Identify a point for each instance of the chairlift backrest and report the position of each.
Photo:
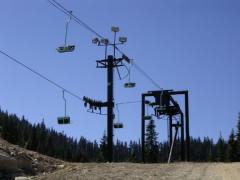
(147, 117)
(64, 120)
(129, 85)
(118, 125)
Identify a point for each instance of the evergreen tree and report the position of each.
(133, 152)
(39, 138)
(206, 150)
(238, 138)
(103, 148)
(151, 143)
(232, 148)
(221, 154)
(210, 152)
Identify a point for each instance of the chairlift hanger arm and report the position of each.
(67, 26)
(65, 103)
(104, 63)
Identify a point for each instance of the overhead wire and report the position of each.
(128, 102)
(146, 75)
(75, 18)
(82, 23)
(141, 70)
(41, 75)
(58, 7)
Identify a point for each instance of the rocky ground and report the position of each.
(20, 164)
(16, 161)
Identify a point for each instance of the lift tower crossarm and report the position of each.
(105, 62)
(94, 103)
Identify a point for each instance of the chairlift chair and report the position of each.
(118, 125)
(65, 47)
(68, 48)
(147, 117)
(129, 84)
(64, 119)
(147, 102)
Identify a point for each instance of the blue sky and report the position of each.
(183, 45)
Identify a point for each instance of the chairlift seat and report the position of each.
(167, 110)
(63, 49)
(64, 120)
(130, 85)
(147, 117)
(147, 102)
(118, 125)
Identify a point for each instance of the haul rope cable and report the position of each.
(76, 19)
(141, 70)
(40, 75)
(128, 102)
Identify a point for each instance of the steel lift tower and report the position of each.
(110, 62)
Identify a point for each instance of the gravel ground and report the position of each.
(117, 171)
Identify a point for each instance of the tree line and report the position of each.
(39, 138)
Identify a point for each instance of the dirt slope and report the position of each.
(16, 161)
(185, 171)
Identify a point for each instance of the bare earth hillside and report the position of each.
(204, 171)
(15, 162)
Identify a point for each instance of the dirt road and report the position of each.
(186, 171)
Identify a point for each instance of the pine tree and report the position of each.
(210, 151)
(238, 138)
(103, 148)
(232, 148)
(133, 152)
(221, 155)
(151, 143)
